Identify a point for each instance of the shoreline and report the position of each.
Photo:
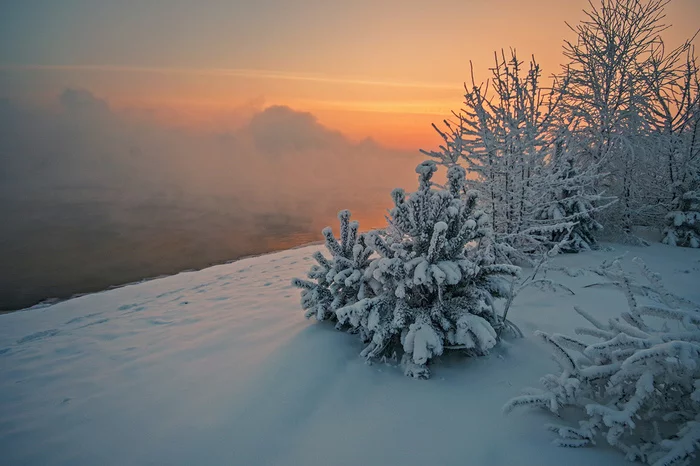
(50, 301)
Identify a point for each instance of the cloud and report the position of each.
(91, 196)
(82, 141)
(281, 130)
(80, 101)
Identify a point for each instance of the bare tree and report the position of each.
(505, 134)
(612, 44)
(633, 102)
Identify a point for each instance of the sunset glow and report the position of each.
(382, 71)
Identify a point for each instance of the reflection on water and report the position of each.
(78, 246)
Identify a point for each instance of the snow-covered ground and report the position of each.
(219, 367)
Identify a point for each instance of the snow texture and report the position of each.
(219, 367)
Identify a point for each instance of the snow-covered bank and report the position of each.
(219, 367)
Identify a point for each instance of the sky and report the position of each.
(371, 69)
(144, 137)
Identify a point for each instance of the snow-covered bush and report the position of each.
(431, 284)
(638, 386)
(683, 227)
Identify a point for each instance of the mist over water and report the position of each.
(91, 198)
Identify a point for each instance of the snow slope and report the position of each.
(220, 367)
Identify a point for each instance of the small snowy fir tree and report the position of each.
(337, 282)
(431, 285)
(638, 386)
(683, 228)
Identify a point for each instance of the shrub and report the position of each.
(638, 386)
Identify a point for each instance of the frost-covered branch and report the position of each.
(638, 387)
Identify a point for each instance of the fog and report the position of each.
(91, 197)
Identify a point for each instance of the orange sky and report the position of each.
(384, 70)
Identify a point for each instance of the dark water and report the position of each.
(72, 245)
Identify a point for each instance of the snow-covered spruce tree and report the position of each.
(683, 220)
(337, 282)
(638, 386)
(683, 227)
(568, 197)
(432, 284)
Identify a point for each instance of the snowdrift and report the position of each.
(219, 366)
